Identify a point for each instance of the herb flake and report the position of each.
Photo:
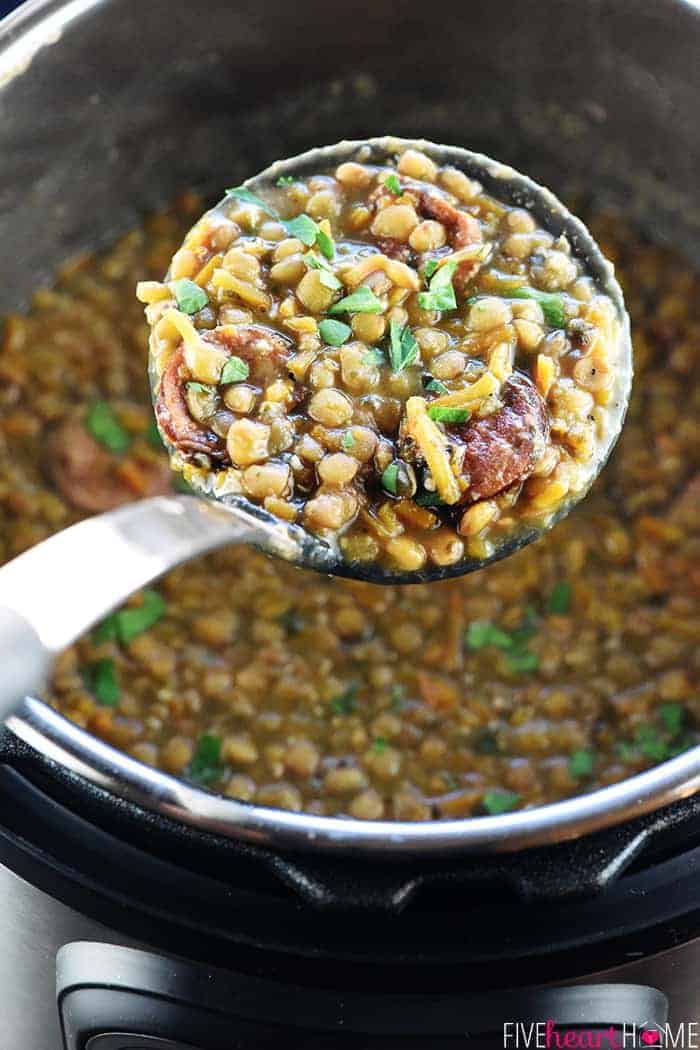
(335, 333)
(446, 414)
(581, 764)
(102, 423)
(235, 370)
(346, 702)
(190, 298)
(440, 294)
(403, 349)
(436, 386)
(128, 623)
(551, 303)
(393, 184)
(303, 228)
(559, 601)
(206, 764)
(101, 679)
(246, 197)
(390, 478)
(363, 301)
(497, 802)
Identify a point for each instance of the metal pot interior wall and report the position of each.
(109, 107)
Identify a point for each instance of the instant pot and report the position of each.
(139, 913)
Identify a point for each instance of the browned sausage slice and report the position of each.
(503, 448)
(174, 418)
(91, 479)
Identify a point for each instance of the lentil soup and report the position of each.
(570, 665)
(405, 365)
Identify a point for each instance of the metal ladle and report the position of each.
(51, 594)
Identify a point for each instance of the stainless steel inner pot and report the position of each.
(109, 107)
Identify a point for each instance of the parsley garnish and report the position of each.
(392, 184)
(363, 301)
(440, 294)
(189, 296)
(495, 802)
(346, 702)
(198, 388)
(327, 277)
(390, 478)
(205, 764)
(551, 303)
(104, 426)
(325, 243)
(235, 370)
(559, 600)
(482, 633)
(379, 745)
(445, 414)
(403, 350)
(581, 764)
(428, 499)
(672, 717)
(348, 440)
(437, 387)
(302, 227)
(246, 197)
(285, 180)
(430, 268)
(101, 679)
(335, 333)
(126, 624)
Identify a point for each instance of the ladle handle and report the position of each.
(52, 593)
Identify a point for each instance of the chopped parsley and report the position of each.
(285, 180)
(348, 440)
(551, 303)
(390, 478)
(445, 414)
(672, 717)
(325, 243)
(436, 387)
(663, 740)
(559, 601)
(131, 621)
(428, 499)
(198, 388)
(363, 301)
(379, 745)
(246, 197)
(335, 333)
(102, 423)
(302, 227)
(392, 184)
(189, 296)
(235, 370)
(206, 764)
(101, 679)
(581, 764)
(403, 350)
(346, 702)
(327, 277)
(482, 634)
(430, 268)
(496, 802)
(440, 294)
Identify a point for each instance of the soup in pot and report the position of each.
(571, 665)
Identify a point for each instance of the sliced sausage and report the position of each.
(90, 478)
(174, 418)
(503, 448)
